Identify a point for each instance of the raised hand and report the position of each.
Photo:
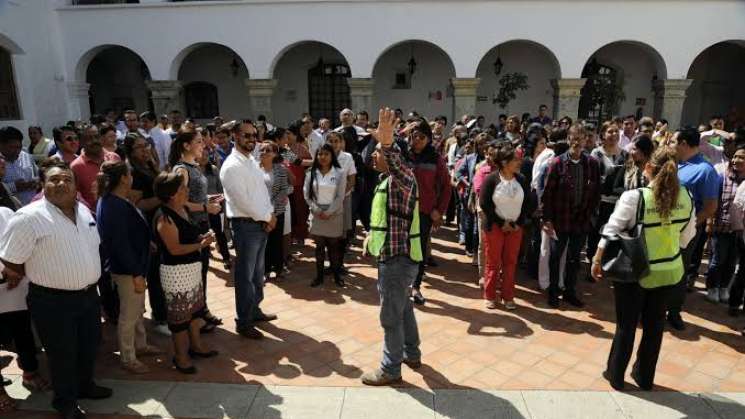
(387, 122)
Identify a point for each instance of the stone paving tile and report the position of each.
(274, 402)
(727, 405)
(666, 405)
(204, 400)
(480, 404)
(571, 405)
(387, 403)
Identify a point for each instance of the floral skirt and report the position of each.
(182, 286)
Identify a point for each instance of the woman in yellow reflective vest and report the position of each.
(669, 224)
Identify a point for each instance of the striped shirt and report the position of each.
(23, 168)
(57, 253)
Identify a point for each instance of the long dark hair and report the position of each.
(177, 147)
(129, 147)
(316, 166)
(110, 177)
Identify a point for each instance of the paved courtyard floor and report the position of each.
(326, 337)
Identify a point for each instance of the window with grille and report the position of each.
(328, 90)
(8, 100)
(600, 94)
(201, 100)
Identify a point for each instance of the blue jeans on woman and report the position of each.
(400, 331)
(250, 247)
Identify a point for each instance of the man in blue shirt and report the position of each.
(702, 181)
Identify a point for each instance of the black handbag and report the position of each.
(625, 258)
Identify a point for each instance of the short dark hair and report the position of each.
(57, 132)
(149, 115)
(630, 116)
(715, 116)
(690, 135)
(105, 128)
(367, 115)
(52, 163)
(166, 185)
(8, 134)
(97, 119)
(542, 106)
(740, 135)
(423, 126)
(442, 118)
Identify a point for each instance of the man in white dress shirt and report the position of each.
(318, 136)
(251, 214)
(160, 140)
(53, 243)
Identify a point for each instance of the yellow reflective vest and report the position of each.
(379, 225)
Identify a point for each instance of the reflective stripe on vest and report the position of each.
(379, 224)
(663, 240)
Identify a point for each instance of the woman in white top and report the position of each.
(507, 204)
(324, 192)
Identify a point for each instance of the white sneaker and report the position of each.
(724, 295)
(162, 329)
(713, 295)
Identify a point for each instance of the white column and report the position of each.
(464, 96)
(166, 96)
(260, 92)
(669, 97)
(79, 100)
(566, 97)
(361, 93)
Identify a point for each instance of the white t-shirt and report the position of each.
(326, 186)
(347, 164)
(15, 299)
(508, 199)
(316, 140)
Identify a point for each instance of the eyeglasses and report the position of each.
(71, 138)
(266, 151)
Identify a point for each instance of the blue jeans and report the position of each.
(401, 334)
(723, 260)
(250, 246)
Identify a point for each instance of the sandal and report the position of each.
(35, 382)
(7, 403)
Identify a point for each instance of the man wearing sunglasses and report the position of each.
(67, 143)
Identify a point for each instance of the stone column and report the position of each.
(260, 92)
(566, 97)
(669, 97)
(79, 100)
(166, 95)
(361, 93)
(464, 96)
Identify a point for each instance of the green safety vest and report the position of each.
(379, 225)
(663, 240)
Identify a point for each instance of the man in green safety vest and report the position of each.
(394, 240)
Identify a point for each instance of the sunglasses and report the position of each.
(71, 138)
(266, 150)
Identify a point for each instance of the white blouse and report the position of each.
(508, 199)
(326, 186)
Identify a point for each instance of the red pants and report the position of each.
(501, 250)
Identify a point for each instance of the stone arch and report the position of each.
(117, 76)
(178, 60)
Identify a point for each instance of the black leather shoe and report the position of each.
(339, 282)
(417, 297)
(316, 282)
(208, 354)
(676, 322)
(637, 379)
(250, 332)
(618, 386)
(96, 392)
(74, 412)
(574, 300)
(263, 317)
(184, 370)
(553, 301)
(733, 311)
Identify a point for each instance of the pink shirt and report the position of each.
(86, 171)
(480, 176)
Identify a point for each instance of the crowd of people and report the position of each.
(127, 206)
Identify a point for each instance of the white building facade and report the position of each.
(63, 60)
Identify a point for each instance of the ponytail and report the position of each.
(110, 177)
(666, 185)
(177, 147)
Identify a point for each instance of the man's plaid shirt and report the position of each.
(402, 196)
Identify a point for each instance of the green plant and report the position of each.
(508, 85)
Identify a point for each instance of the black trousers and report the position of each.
(738, 284)
(332, 246)
(222, 242)
(69, 327)
(109, 296)
(425, 229)
(604, 212)
(274, 256)
(574, 242)
(155, 289)
(17, 329)
(634, 302)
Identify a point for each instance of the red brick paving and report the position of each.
(328, 336)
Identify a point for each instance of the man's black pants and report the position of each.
(69, 327)
(633, 302)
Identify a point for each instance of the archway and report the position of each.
(415, 75)
(718, 86)
(620, 78)
(10, 108)
(312, 77)
(536, 62)
(213, 77)
(117, 78)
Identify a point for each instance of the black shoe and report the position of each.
(74, 412)
(414, 364)
(263, 317)
(574, 300)
(418, 298)
(637, 379)
(676, 322)
(96, 392)
(553, 301)
(250, 332)
(618, 386)
(316, 282)
(339, 282)
(733, 311)
(208, 354)
(184, 370)
(226, 266)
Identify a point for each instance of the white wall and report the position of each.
(290, 98)
(522, 57)
(433, 73)
(211, 63)
(719, 84)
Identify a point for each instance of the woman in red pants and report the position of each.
(507, 205)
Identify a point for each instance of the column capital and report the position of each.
(465, 86)
(164, 88)
(78, 89)
(261, 87)
(671, 87)
(568, 87)
(361, 86)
